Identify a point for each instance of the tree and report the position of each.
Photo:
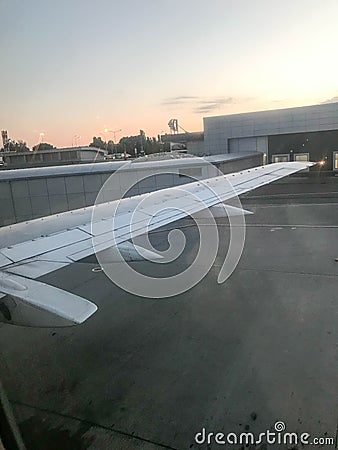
(16, 146)
(128, 144)
(110, 146)
(42, 146)
(141, 143)
(22, 146)
(97, 142)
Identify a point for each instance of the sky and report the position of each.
(72, 68)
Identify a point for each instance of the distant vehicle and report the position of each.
(118, 156)
(178, 146)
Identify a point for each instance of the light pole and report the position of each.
(75, 140)
(114, 132)
(100, 134)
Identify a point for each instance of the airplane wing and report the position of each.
(31, 249)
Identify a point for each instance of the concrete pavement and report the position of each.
(232, 357)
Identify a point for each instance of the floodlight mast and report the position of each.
(174, 126)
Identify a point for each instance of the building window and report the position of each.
(280, 158)
(335, 160)
(301, 157)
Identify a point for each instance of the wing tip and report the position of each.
(90, 309)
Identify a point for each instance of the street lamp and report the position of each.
(75, 140)
(114, 132)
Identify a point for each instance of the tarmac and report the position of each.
(232, 358)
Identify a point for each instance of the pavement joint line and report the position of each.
(282, 205)
(296, 194)
(270, 225)
(248, 225)
(288, 272)
(286, 205)
(89, 422)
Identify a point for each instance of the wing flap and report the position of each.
(36, 268)
(4, 261)
(43, 245)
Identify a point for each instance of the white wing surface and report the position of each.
(32, 249)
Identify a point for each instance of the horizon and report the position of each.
(77, 68)
(75, 143)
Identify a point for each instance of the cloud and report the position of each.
(282, 100)
(179, 100)
(206, 108)
(219, 101)
(331, 100)
(200, 105)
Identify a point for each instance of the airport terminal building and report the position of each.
(292, 134)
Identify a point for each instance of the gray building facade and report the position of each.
(53, 157)
(303, 133)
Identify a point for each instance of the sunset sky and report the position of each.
(75, 67)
